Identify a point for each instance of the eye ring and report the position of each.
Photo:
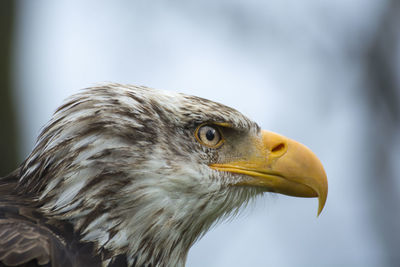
(209, 135)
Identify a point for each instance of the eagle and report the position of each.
(126, 175)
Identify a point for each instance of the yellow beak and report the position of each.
(281, 165)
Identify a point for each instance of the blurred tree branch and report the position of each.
(382, 84)
(8, 134)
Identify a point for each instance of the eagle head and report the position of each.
(145, 173)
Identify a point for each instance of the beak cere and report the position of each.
(281, 165)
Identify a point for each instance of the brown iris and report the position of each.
(209, 135)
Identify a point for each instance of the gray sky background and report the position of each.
(292, 66)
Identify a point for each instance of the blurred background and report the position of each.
(326, 73)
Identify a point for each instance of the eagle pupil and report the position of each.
(210, 134)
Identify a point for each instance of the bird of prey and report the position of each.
(126, 175)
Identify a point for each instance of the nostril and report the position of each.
(279, 147)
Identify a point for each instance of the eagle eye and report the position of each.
(209, 136)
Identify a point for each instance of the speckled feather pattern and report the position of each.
(122, 165)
